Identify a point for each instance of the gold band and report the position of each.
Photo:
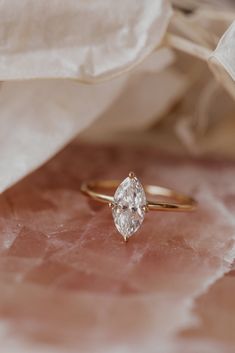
(177, 201)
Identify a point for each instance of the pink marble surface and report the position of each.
(69, 283)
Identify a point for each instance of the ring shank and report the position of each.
(177, 201)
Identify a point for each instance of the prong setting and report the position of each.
(132, 175)
(145, 208)
(112, 205)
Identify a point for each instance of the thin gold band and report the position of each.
(180, 202)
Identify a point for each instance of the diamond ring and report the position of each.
(129, 203)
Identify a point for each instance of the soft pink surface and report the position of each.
(68, 281)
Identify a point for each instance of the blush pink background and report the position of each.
(68, 282)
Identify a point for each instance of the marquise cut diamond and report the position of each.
(129, 206)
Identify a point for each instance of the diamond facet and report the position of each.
(129, 208)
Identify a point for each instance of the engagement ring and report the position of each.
(129, 203)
